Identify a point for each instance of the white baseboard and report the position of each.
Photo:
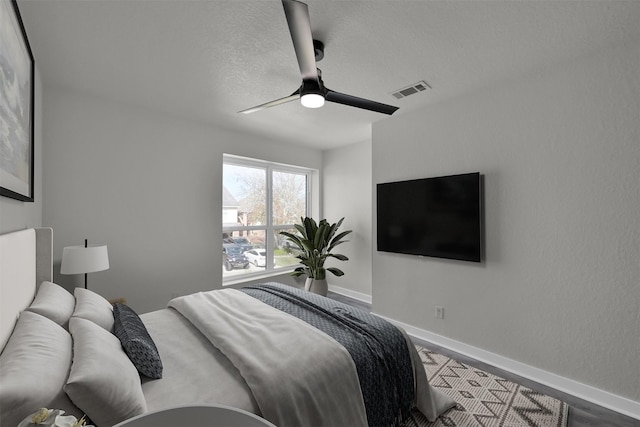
(351, 294)
(591, 394)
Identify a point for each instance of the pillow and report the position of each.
(53, 302)
(103, 382)
(94, 307)
(136, 341)
(33, 369)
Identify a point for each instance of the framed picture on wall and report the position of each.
(16, 106)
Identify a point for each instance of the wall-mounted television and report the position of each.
(437, 217)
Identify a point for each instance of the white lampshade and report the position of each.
(80, 259)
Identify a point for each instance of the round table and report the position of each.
(197, 416)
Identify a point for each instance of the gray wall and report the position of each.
(17, 215)
(347, 193)
(149, 186)
(560, 152)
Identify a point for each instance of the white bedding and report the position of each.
(194, 371)
(214, 333)
(297, 374)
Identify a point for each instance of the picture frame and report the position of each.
(16, 106)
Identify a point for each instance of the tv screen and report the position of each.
(437, 217)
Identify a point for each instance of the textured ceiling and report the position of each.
(206, 60)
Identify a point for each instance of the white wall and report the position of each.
(146, 184)
(347, 193)
(560, 151)
(15, 214)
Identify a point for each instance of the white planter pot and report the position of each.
(316, 286)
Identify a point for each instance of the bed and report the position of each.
(293, 358)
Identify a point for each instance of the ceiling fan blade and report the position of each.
(295, 95)
(354, 101)
(297, 14)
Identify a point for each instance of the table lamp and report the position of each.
(84, 259)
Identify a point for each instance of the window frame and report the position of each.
(269, 228)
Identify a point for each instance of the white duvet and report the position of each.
(226, 347)
(298, 375)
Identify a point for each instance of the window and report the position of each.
(260, 199)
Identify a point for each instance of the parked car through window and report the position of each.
(257, 257)
(233, 257)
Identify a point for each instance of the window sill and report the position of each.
(257, 277)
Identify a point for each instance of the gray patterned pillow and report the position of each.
(136, 341)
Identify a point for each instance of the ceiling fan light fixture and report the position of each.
(311, 95)
(312, 100)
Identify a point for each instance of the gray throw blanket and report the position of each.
(379, 350)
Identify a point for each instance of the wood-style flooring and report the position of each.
(581, 412)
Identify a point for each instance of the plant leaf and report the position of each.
(335, 228)
(293, 239)
(336, 271)
(339, 256)
(301, 230)
(307, 246)
(310, 227)
(320, 241)
(338, 239)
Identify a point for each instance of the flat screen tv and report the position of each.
(436, 217)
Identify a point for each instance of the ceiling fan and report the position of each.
(313, 93)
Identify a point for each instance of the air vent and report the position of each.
(421, 86)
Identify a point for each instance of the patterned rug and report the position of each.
(485, 399)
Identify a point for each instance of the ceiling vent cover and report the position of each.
(421, 86)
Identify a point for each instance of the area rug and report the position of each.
(484, 399)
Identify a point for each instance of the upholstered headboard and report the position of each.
(26, 259)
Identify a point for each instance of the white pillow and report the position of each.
(53, 302)
(103, 382)
(33, 369)
(94, 307)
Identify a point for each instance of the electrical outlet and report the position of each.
(439, 312)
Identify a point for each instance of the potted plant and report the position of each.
(315, 241)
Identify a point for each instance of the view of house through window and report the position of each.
(260, 199)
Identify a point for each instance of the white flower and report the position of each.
(65, 421)
(70, 421)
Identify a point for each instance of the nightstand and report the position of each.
(197, 415)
